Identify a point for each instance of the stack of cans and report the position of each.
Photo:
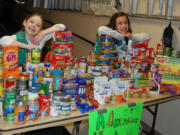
(176, 54)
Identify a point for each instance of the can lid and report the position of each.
(11, 78)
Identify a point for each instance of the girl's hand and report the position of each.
(37, 39)
(129, 35)
(31, 47)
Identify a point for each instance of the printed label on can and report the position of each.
(58, 82)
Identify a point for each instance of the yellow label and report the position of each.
(36, 55)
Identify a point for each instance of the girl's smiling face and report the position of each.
(33, 25)
(122, 25)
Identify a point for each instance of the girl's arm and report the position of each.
(104, 30)
(11, 41)
(57, 27)
(140, 37)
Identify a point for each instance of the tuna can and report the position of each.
(90, 69)
(35, 56)
(54, 109)
(73, 104)
(33, 94)
(56, 98)
(32, 110)
(65, 106)
(44, 88)
(20, 113)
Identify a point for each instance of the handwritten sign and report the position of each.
(124, 120)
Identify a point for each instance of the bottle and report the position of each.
(20, 113)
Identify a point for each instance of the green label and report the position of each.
(10, 98)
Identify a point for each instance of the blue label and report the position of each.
(58, 82)
(21, 116)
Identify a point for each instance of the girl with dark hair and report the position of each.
(119, 28)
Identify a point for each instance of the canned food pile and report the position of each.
(44, 89)
(167, 63)
(60, 85)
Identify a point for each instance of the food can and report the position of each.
(35, 56)
(33, 94)
(44, 105)
(167, 51)
(92, 59)
(57, 79)
(73, 104)
(1, 55)
(1, 71)
(1, 107)
(160, 49)
(32, 110)
(8, 112)
(175, 54)
(20, 113)
(154, 68)
(141, 54)
(10, 97)
(48, 78)
(1, 89)
(54, 109)
(65, 106)
(28, 56)
(11, 82)
(23, 80)
(44, 88)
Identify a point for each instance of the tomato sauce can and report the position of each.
(44, 105)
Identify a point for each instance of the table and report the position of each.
(9, 128)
